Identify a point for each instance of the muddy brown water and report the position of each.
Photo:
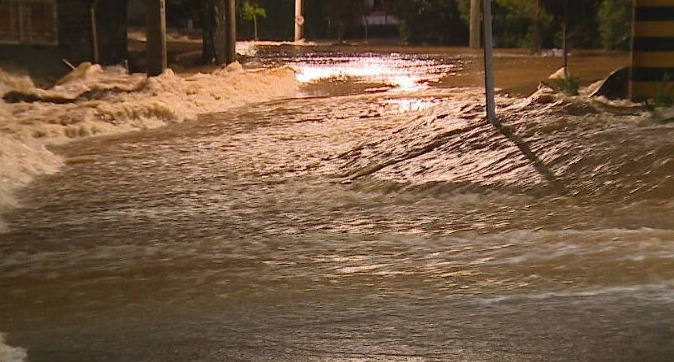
(354, 224)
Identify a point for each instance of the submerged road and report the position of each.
(314, 229)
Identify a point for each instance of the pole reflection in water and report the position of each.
(392, 225)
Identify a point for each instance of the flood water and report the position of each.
(374, 217)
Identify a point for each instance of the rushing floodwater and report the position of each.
(372, 219)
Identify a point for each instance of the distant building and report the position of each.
(378, 15)
(65, 29)
(378, 22)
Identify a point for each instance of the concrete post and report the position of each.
(652, 69)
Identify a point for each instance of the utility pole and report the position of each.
(489, 64)
(299, 21)
(156, 37)
(475, 14)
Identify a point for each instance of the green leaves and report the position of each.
(516, 23)
(615, 24)
(569, 85)
(252, 10)
(432, 21)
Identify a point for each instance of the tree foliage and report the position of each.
(533, 24)
(431, 21)
(251, 11)
(615, 18)
(343, 14)
(538, 24)
(521, 23)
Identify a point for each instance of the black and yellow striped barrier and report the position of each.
(652, 70)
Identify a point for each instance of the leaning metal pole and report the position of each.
(508, 132)
(489, 64)
(565, 33)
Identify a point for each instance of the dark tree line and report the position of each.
(532, 24)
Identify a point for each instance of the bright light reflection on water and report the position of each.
(403, 73)
(412, 104)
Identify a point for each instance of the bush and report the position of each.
(615, 24)
(664, 96)
(569, 85)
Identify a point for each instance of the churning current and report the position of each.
(374, 216)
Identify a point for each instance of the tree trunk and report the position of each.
(341, 32)
(255, 28)
(475, 15)
(207, 27)
(230, 31)
(362, 14)
(536, 37)
(220, 32)
(156, 37)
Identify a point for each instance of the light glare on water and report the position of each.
(392, 71)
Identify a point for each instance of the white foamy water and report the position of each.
(10, 353)
(92, 100)
(655, 291)
(21, 159)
